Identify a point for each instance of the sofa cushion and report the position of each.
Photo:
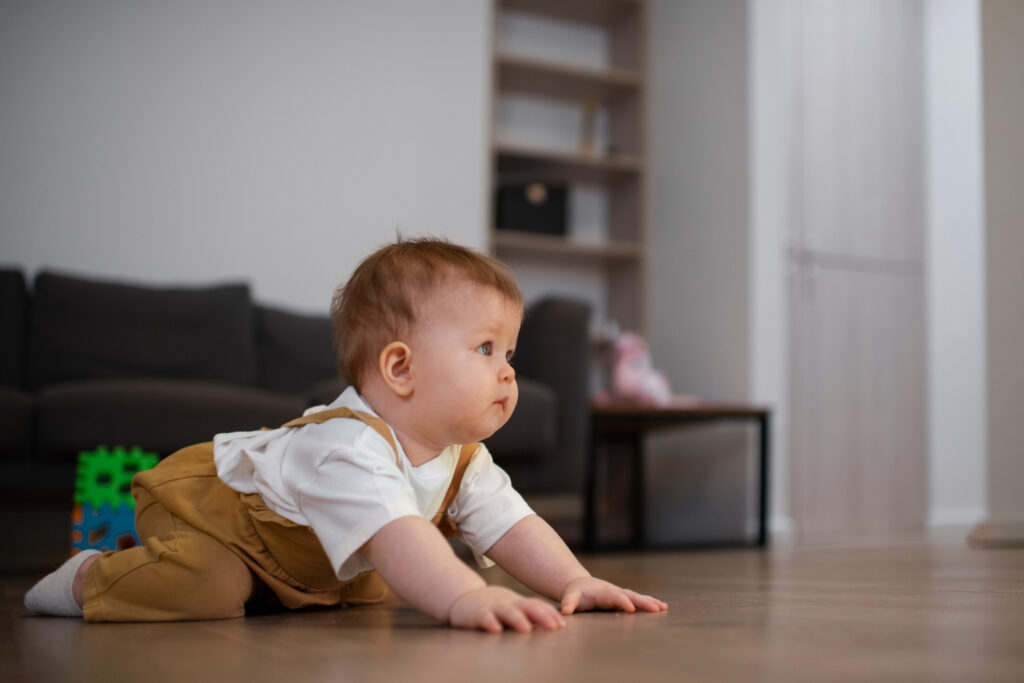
(294, 352)
(157, 415)
(532, 431)
(13, 322)
(86, 329)
(15, 425)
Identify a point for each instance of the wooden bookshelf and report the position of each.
(618, 168)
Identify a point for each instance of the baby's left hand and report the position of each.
(588, 593)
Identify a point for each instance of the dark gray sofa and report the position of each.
(86, 362)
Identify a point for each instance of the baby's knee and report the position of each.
(133, 585)
(215, 585)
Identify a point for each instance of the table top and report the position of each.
(679, 408)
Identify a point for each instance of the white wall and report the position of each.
(276, 142)
(955, 258)
(699, 196)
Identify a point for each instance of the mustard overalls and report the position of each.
(207, 551)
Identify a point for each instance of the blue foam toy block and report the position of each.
(103, 527)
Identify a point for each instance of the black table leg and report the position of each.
(639, 492)
(589, 513)
(762, 532)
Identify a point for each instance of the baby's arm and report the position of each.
(420, 567)
(533, 553)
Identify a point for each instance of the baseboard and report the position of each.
(780, 525)
(997, 533)
(956, 517)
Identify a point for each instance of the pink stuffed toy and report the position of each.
(633, 375)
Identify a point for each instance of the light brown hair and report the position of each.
(379, 303)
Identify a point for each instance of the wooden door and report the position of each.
(856, 290)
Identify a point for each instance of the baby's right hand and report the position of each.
(492, 608)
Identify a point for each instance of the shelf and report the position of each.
(553, 164)
(534, 245)
(599, 12)
(545, 78)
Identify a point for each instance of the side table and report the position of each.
(629, 423)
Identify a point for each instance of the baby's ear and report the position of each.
(396, 367)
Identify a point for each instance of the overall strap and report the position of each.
(372, 421)
(441, 520)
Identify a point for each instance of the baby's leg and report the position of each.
(177, 573)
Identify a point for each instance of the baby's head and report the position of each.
(386, 295)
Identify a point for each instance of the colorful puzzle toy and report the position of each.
(104, 513)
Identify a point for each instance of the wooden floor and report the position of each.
(912, 611)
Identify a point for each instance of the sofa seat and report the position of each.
(158, 415)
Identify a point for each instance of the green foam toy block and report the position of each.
(105, 475)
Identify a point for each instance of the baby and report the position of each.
(354, 498)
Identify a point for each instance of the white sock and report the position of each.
(52, 595)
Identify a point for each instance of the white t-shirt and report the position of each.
(340, 477)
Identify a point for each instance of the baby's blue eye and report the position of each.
(509, 355)
(485, 348)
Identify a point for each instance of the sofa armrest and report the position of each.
(14, 323)
(554, 349)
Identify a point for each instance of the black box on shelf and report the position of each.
(532, 207)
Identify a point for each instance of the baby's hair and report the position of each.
(380, 302)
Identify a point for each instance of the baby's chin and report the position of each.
(487, 432)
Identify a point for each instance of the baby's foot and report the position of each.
(54, 594)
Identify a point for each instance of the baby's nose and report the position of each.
(508, 373)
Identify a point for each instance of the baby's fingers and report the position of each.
(543, 614)
(571, 601)
(514, 618)
(617, 599)
(605, 597)
(490, 623)
(646, 602)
